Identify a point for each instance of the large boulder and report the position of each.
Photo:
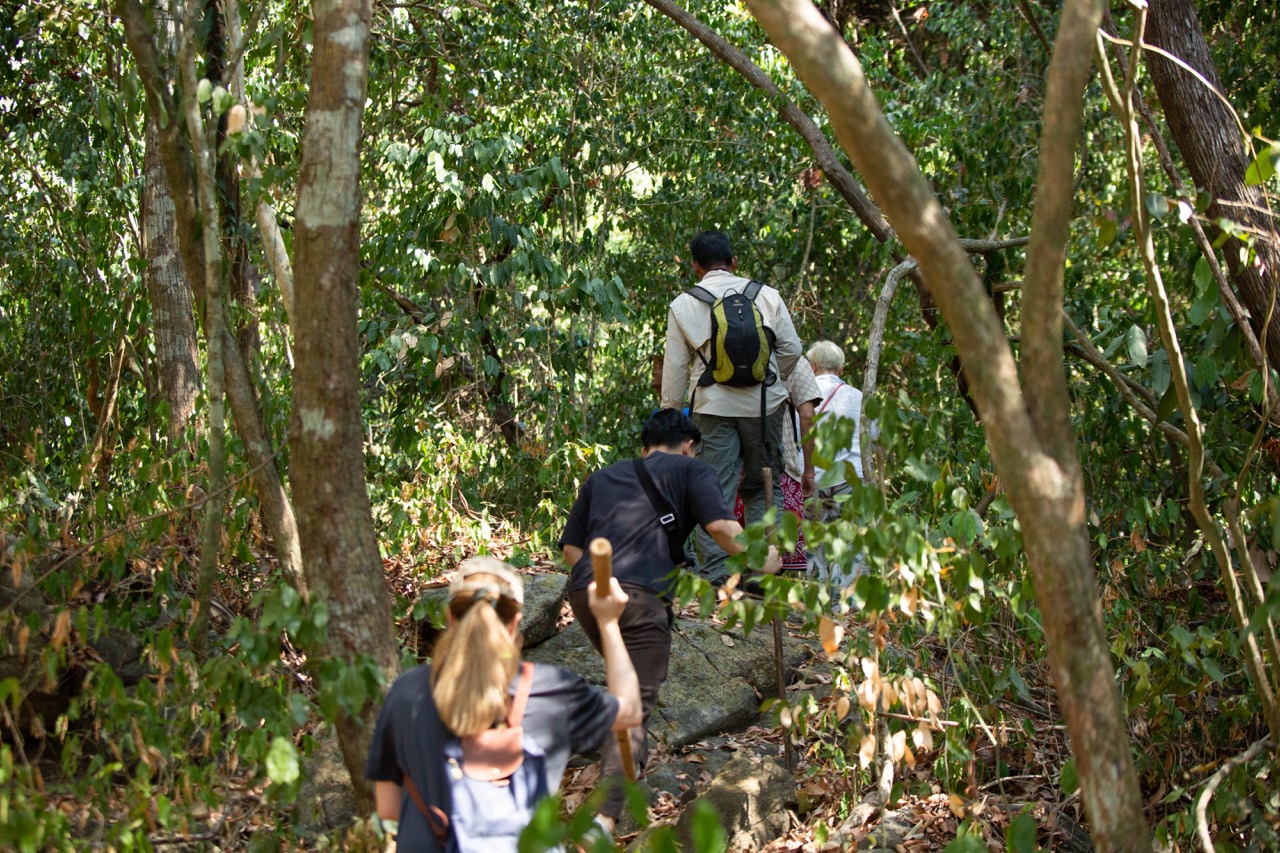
(751, 801)
(735, 673)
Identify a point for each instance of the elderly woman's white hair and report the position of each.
(826, 357)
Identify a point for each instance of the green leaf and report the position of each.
(1068, 781)
(204, 90)
(1263, 167)
(282, 762)
(1021, 836)
(708, 833)
(966, 841)
(1136, 340)
(1106, 231)
(1168, 404)
(1203, 275)
(1205, 371)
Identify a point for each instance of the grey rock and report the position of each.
(712, 685)
(571, 649)
(544, 594)
(890, 832)
(122, 651)
(750, 656)
(543, 597)
(679, 776)
(750, 800)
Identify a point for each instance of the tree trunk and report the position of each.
(340, 549)
(175, 154)
(1029, 436)
(240, 289)
(1210, 141)
(173, 324)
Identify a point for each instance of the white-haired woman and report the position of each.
(839, 400)
(470, 691)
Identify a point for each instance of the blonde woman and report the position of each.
(443, 723)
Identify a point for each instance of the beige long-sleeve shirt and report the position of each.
(802, 387)
(689, 332)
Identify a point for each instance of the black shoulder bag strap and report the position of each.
(666, 513)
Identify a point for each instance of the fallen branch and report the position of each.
(1206, 793)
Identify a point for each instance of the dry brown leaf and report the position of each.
(727, 640)
(867, 751)
(842, 707)
(922, 737)
(61, 630)
(24, 634)
(830, 634)
(897, 746)
(868, 695)
(956, 805)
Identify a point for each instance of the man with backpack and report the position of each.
(646, 508)
(730, 345)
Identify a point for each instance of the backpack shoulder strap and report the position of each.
(752, 290)
(437, 820)
(523, 686)
(666, 513)
(830, 397)
(702, 295)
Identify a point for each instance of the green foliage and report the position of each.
(531, 176)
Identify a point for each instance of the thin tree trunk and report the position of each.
(1210, 141)
(1029, 438)
(277, 512)
(173, 326)
(211, 241)
(239, 290)
(340, 548)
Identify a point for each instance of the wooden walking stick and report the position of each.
(779, 664)
(602, 567)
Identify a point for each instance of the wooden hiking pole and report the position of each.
(779, 665)
(602, 567)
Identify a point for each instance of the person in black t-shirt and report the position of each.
(613, 504)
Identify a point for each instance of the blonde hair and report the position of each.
(476, 658)
(824, 355)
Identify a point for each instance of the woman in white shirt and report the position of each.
(840, 400)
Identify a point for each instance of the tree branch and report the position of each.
(836, 173)
(1048, 400)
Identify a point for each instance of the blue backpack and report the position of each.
(496, 779)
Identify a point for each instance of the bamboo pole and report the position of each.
(779, 664)
(602, 567)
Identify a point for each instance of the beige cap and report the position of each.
(511, 586)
